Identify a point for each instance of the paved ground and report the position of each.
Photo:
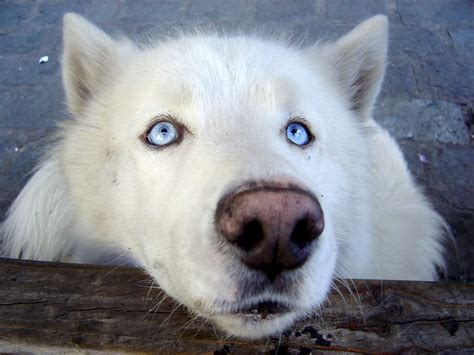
(427, 100)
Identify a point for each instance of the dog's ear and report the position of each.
(90, 60)
(358, 61)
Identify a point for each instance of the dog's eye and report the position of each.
(297, 133)
(162, 133)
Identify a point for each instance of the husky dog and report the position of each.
(243, 173)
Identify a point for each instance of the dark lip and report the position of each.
(263, 310)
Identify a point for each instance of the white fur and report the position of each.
(103, 192)
(40, 217)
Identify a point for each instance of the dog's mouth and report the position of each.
(263, 310)
(256, 319)
(258, 311)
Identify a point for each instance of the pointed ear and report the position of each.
(358, 62)
(90, 59)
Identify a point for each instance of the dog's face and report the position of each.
(223, 165)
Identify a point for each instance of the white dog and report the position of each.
(244, 174)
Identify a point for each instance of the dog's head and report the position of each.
(231, 168)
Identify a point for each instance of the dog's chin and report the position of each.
(259, 320)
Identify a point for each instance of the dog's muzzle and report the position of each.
(272, 226)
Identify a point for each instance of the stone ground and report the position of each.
(427, 100)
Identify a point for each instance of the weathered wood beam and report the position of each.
(52, 307)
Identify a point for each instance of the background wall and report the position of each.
(427, 100)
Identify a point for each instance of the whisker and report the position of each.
(149, 290)
(203, 322)
(115, 268)
(156, 307)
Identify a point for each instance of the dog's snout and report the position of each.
(272, 227)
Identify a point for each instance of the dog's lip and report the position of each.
(262, 310)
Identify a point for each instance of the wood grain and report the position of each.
(69, 307)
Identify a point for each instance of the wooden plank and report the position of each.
(52, 307)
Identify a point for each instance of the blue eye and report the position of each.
(162, 133)
(297, 134)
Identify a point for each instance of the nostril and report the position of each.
(304, 232)
(251, 234)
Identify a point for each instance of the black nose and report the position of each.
(272, 227)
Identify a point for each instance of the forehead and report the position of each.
(211, 75)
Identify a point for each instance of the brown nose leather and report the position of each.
(272, 227)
